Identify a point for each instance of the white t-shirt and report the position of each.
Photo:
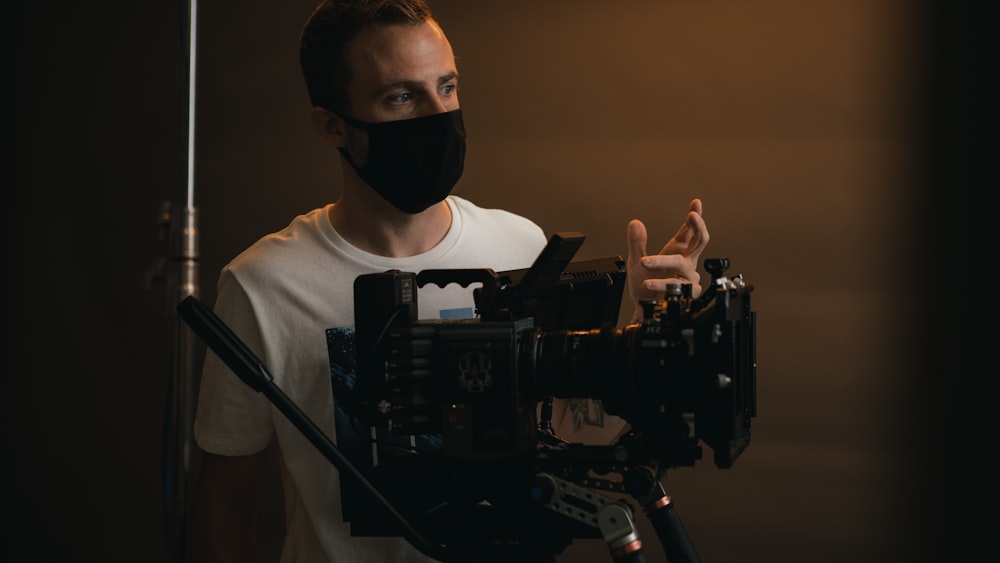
(282, 297)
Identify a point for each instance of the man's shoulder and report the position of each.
(505, 239)
(297, 241)
(491, 217)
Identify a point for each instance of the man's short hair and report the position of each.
(330, 29)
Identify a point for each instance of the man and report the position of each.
(383, 83)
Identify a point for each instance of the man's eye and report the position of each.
(402, 98)
(448, 89)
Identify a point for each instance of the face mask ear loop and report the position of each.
(356, 123)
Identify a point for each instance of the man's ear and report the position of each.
(329, 125)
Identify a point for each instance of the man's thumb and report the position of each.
(636, 240)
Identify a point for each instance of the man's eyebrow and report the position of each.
(400, 85)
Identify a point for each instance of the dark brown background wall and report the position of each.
(832, 143)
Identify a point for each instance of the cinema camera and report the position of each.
(459, 455)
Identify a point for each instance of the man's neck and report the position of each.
(381, 229)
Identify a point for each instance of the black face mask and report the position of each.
(412, 163)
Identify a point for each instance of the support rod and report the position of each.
(184, 276)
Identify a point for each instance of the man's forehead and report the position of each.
(379, 43)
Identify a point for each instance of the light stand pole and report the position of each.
(182, 279)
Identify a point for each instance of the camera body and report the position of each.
(683, 376)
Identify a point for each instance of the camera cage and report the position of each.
(686, 375)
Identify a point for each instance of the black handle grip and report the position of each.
(221, 339)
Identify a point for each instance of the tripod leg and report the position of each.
(667, 523)
(618, 529)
